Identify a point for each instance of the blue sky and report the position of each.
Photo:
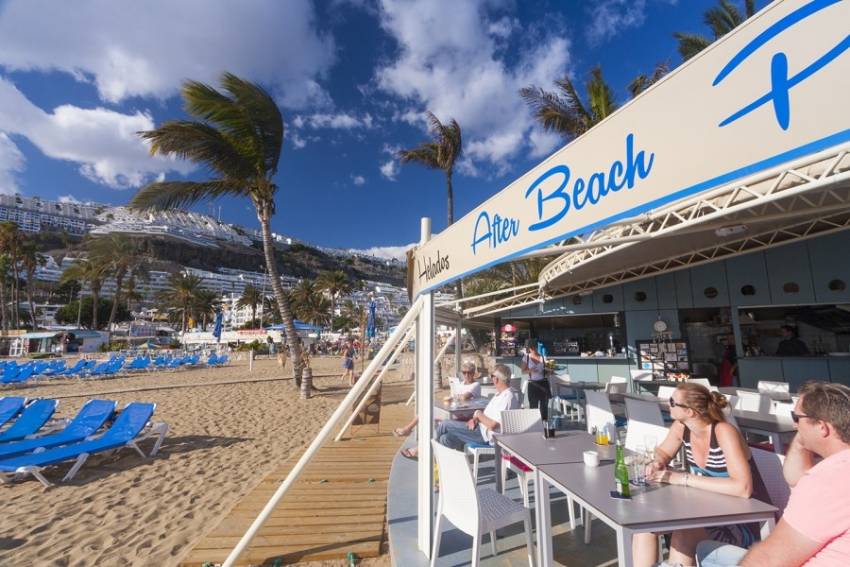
(353, 78)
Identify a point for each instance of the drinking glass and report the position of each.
(639, 466)
(650, 442)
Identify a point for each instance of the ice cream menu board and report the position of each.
(664, 358)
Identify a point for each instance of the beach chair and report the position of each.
(131, 427)
(22, 375)
(81, 363)
(56, 367)
(31, 419)
(9, 408)
(88, 420)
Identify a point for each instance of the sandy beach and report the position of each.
(229, 428)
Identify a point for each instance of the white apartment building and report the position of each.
(190, 227)
(33, 214)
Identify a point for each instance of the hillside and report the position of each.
(297, 260)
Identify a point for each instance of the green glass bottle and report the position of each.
(621, 472)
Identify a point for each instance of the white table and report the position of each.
(454, 411)
(656, 508)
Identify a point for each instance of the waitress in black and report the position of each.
(539, 392)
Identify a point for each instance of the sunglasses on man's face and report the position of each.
(466, 371)
(796, 417)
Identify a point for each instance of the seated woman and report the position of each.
(718, 460)
(468, 388)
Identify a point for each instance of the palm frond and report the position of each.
(425, 154)
(554, 113)
(723, 18)
(691, 44)
(750, 8)
(201, 143)
(643, 82)
(173, 194)
(600, 95)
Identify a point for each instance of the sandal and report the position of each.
(410, 453)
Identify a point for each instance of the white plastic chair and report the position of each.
(473, 510)
(730, 417)
(665, 392)
(570, 404)
(640, 376)
(768, 387)
(599, 413)
(752, 401)
(769, 465)
(519, 421)
(645, 420)
(701, 381)
(617, 385)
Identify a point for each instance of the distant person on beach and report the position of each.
(348, 353)
(270, 342)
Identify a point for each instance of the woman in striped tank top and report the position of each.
(718, 460)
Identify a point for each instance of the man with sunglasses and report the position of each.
(815, 528)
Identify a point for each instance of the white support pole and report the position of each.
(323, 435)
(377, 382)
(458, 347)
(425, 412)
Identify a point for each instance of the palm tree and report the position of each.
(10, 242)
(564, 112)
(5, 267)
(251, 297)
(440, 152)
(120, 255)
(204, 305)
(270, 311)
(182, 295)
(722, 19)
(30, 261)
(238, 137)
(92, 271)
(643, 82)
(335, 283)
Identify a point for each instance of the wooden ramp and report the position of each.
(338, 504)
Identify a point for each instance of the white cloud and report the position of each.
(611, 17)
(68, 199)
(128, 48)
(12, 162)
(390, 169)
(450, 62)
(103, 142)
(338, 121)
(386, 252)
(297, 141)
(358, 180)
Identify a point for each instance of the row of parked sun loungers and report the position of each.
(13, 373)
(34, 441)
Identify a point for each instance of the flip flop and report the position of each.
(410, 453)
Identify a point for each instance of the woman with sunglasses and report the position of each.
(717, 460)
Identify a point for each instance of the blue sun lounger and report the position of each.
(88, 420)
(9, 407)
(130, 427)
(32, 418)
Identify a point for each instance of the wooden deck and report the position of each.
(338, 505)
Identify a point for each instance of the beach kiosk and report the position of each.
(742, 149)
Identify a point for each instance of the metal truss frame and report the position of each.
(805, 199)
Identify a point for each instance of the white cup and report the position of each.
(591, 458)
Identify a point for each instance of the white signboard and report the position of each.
(773, 90)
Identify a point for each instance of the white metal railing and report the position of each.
(377, 382)
(344, 406)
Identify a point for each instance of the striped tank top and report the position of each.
(715, 464)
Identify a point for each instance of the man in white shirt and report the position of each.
(479, 429)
